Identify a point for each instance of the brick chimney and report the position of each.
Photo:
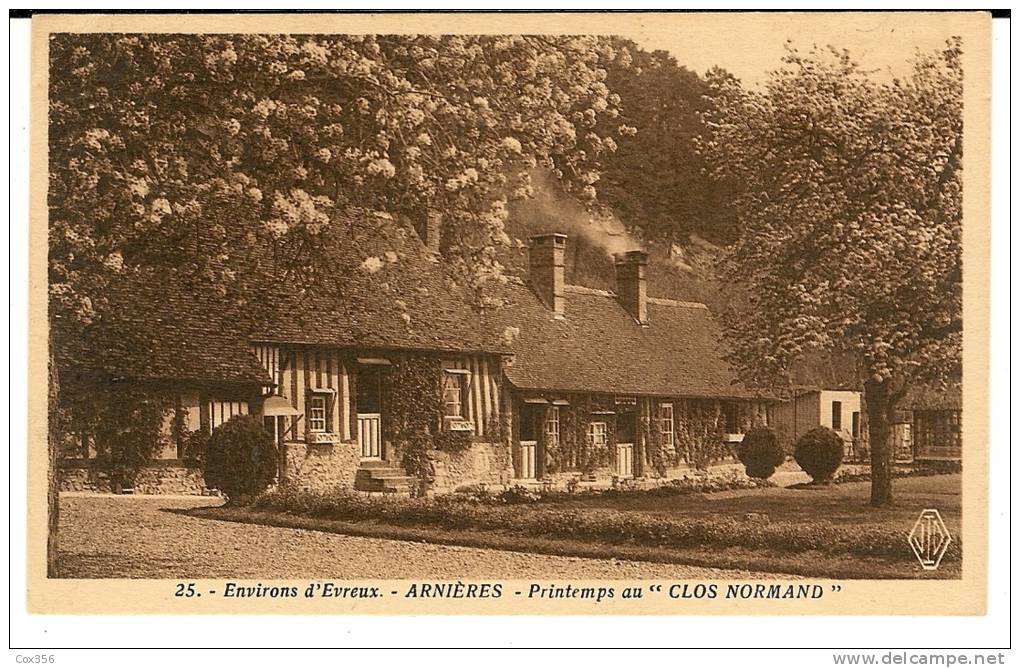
(631, 285)
(431, 230)
(546, 258)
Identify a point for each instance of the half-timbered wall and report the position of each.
(301, 372)
(221, 411)
(269, 356)
(482, 402)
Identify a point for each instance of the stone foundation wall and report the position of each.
(152, 479)
(482, 463)
(321, 467)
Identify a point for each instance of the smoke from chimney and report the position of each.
(558, 212)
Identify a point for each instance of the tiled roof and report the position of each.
(157, 328)
(406, 302)
(154, 329)
(598, 347)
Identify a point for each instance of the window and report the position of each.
(666, 427)
(837, 415)
(855, 424)
(454, 386)
(552, 427)
(317, 413)
(598, 435)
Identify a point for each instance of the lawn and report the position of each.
(845, 504)
(821, 532)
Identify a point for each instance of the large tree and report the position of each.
(850, 218)
(184, 152)
(155, 136)
(657, 181)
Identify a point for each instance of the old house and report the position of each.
(620, 384)
(934, 415)
(398, 354)
(390, 380)
(392, 370)
(838, 409)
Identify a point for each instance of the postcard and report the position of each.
(613, 313)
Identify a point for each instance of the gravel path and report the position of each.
(141, 537)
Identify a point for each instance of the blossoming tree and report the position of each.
(180, 152)
(850, 217)
(151, 133)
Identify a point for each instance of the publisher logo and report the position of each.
(929, 539)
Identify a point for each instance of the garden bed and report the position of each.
(750, 532)
(803, 564)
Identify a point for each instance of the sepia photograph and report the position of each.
(369, 303)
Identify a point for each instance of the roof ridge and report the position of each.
(661, 301)
(665, 301)
(585, 290)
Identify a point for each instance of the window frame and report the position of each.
(591, 433)
(665, 421)
(313, 398)
(552, 417)
(462, 380)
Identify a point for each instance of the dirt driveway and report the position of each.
(142, 537)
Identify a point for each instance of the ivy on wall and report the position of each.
(659, 455)
(698, 429)
(414, 405)
(124, 420)
(575, 451)
(413, 401)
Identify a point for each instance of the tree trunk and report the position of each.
(52, 478)
(876, 397)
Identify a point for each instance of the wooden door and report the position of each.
(626, 436)
(370, 435)
(529, 460)
(369, 411)
(625, 460)
(528, 441)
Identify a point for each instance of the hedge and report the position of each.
(595, 525)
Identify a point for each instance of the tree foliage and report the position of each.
(183, 150)
(850, 214)
(850, 218)
(658, 181)
(123, 421)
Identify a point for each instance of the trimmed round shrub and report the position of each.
(819, 452)
(240, 458)
(760, 452)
